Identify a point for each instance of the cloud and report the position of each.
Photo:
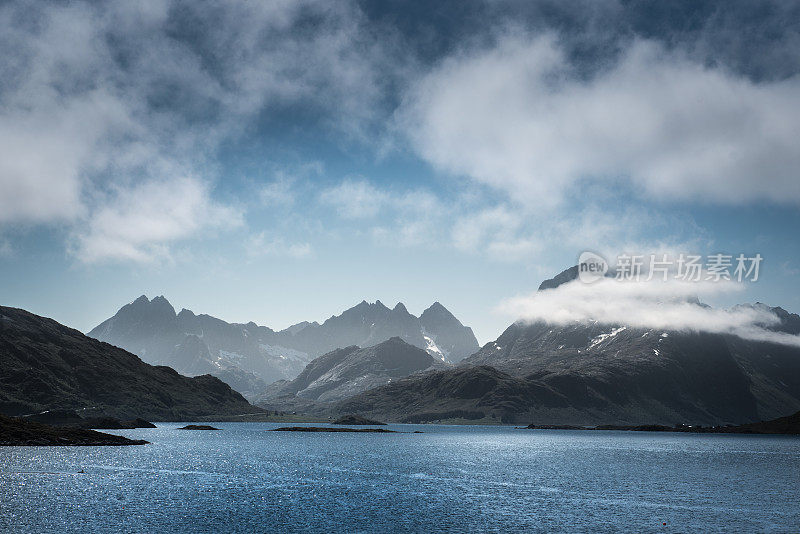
(502, 231)
(6, 248)
(140, 222)
(474, 222)
(355, 199)
(264, 244)
(520, 117)
(653, 305)
(787, 269)
(282, 191)
(99, 102)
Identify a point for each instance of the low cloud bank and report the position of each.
(658, 305)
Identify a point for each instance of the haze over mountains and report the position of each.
(248, 356)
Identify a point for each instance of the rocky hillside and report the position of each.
(45, 365)
(345, 372)
(466, 393)
(599, 375)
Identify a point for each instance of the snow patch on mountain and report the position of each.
(602, 337)
(432, 348)
(285, 353)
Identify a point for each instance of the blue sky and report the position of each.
(282, 161)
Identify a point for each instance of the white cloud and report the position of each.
(412, 217)
(355, 199)
(471, 230)
(474, 223)
(282, 191)
(6, 248)
(265, 244)
(277, 193)
(113, 97)
(140, 222)
(787, 269)
(655, 304)
(519, 117)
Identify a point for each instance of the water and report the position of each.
(451, 478)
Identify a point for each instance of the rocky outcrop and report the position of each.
(18, 432)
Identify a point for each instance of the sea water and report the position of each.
(245, 478)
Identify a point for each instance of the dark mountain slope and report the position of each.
(470, 393)
(45, 365)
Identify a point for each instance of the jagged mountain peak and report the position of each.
(364, 307)
(400, 308)
(567, 275)
(437, 310)
(436, 307)
(159, 304)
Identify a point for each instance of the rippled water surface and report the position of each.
(456, 478)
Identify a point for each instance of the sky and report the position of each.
(282, 161)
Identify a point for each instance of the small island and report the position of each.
(329, 429)
(18, 432)
(197, 427)
(357, 420)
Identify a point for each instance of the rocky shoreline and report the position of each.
(789, 425)
(18, 432)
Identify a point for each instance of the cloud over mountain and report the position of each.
(670, 305)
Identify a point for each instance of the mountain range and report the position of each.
(387, 364)
(47, 366)
(595, 373)
(248, 356)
